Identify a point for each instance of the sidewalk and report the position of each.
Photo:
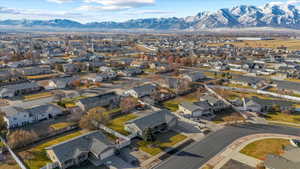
(232, 151)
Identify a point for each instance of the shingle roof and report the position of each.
(153, 119)
(278, 162)
(95, 142)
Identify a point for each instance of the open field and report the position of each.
(36, 157)
(259, 149)
(117, 124)
(290, 44)
(164, 141)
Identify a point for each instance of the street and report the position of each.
(197, 154)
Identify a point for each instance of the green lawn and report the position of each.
(173, 104)
(283, 117)
(117, 124)
(38, 154)
(261, 148)
(164, 141)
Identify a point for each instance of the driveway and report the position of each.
(195, 155)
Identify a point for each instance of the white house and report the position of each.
(19, 116)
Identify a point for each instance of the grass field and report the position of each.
(164, 141)
(261, 148)
(283, 117)
(173, 104)
(117, 124)
(38, 154)
(290, 44)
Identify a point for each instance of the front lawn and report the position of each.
(164, 141)
(283, 117)
(227, 116)
(173, 104)
(261, 148)
(117, 124)
(61, 125)
(36, 157)
(38, 96)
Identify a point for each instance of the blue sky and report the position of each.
(115, 10)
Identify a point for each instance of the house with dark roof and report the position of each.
(19, 89)
(91, 146)
(288, 160)
(158, 121)
(110, 99)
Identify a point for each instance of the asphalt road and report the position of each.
(197, 154)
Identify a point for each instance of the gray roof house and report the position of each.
(110, 99)
(194, 76)
(288, 160)
(93, 146)
(18, 116)
(19, 89)
(158, 121)
(247, 81)
(196, 109)
(62, 82)
(141, 91)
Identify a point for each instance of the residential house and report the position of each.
(129, 72)
(142, 91)
(93, 146)
(17, 116)
(194, 76)
(19, 89)
(110, 99)
(37, 70)
(104, 76)
(288, 160)
(70, 68)
(61, 82)
(288, 86)
(161, 67)
(216, 104)
(158, 121)
(196, 109)
(254, 82)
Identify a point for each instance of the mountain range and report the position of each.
(270, 15)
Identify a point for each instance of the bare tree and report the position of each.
(92, 120)
(128, 103)
(21, 138)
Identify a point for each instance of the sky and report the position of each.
(116, 10)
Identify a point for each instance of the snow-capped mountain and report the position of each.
(270, 15)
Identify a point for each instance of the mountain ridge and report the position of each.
(270, 15)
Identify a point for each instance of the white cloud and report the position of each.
(293, 2)
(114, 5)
(60, 1)
(150, 12)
